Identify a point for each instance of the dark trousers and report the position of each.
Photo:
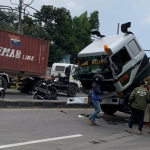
(136, 115)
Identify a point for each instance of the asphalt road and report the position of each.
(62, 129)
(13, 94)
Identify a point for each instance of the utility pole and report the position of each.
(20, 17)
(118, 29)
(21, 9)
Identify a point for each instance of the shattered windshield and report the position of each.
(97, 64)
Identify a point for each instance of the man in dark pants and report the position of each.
(138, 101)
(96, 92)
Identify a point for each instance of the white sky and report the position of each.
(111, 12)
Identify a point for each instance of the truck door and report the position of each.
(126, 67)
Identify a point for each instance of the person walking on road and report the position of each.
(147, 116)
(137, 102)
(147, 110)
(95, 95)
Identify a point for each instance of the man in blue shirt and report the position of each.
(95, 94)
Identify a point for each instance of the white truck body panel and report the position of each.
(60, 68)
(77, 100)
(115, 43)
(97, 47)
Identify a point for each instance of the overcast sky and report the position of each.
(111, 12)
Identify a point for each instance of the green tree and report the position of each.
(94, 20)
(8, 20)
(67, 35)
(32, 28)
(81, 31)
(57, 24)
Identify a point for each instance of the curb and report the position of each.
(39, 104)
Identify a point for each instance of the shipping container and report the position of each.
(20, 54)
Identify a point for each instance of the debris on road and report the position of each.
(63, 111)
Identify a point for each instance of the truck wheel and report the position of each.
(72, 91)
(25, 90)
(26, 86)
(3, 83)
(110, 110)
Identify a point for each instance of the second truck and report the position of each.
(23, 64)
(23, 60)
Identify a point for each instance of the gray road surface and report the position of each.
(17, 95)
(62, 129)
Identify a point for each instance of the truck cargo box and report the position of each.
(23, 54)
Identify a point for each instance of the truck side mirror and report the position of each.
(125, 26)
(67, 71)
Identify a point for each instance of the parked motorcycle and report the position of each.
(45, 92)
(2, 93)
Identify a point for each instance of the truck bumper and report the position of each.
(113, 101)
(77, 100)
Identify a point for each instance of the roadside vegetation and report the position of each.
(67, 34)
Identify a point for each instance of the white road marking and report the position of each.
(39, 141)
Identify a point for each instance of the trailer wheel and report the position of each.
(26, 86)
(110, 110)
(3, 83)
(71, 91)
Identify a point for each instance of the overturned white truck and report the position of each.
(121, 60)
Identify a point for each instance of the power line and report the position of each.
(21, 9)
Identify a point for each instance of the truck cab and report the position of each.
(121, 60)
(59, 69)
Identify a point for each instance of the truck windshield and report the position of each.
(98, 64)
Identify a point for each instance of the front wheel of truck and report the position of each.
(71, 91)
(110, 110)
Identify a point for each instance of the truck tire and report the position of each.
(72, 91)
(110, 110)
(26, 86)
(25, 90)
(3, 83)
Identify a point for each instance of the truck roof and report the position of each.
(62, 64)
(97, 47)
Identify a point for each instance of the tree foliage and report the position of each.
(8, 20)
(67, 35)
(93, 20)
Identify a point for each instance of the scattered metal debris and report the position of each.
(97, 142)
(63, 111)
(113, 123)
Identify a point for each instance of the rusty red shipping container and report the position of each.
(23, 54)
